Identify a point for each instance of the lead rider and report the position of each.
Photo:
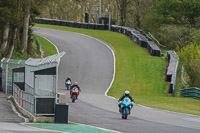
(73, 86)
(126, 94)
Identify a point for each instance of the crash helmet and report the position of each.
(75, 83)
(126, 92)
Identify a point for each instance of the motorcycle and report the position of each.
(126, 106)
(74, 94)
(68, 84)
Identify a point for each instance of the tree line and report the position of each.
(174, 23)
(15, 21)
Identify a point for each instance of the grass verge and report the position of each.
(136, 71)
(48, 48)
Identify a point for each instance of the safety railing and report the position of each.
(24, 99)
(172, 69)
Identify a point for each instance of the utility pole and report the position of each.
(99, 9)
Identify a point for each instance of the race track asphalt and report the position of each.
(91, 63)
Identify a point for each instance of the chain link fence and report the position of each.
(7, 65)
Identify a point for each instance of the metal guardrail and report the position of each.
(172, 70)
(191, 92)
(93, 26)
(139, 38)
(38, 44)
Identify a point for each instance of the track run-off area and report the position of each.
(91, 63)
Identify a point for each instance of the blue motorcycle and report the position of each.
(126, 106)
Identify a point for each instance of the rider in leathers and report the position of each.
(75, 85)
(126, 94)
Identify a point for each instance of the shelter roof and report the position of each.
(50, 59)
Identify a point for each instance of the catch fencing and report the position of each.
(7, 65)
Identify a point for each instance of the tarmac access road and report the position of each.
(10, 122)
(91, 63)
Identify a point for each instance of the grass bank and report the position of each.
(138, 72)
(47, 47)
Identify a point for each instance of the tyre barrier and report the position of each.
(172, 68)
(71, 24)
(138, 38)
(190, 92)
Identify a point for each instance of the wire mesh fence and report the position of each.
(7, 65)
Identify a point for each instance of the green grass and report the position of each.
(48, 48)
(19, 56)
(138, 72)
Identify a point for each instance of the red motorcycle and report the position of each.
(74, 94)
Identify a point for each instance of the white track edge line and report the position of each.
(51, 43)
(113, 54)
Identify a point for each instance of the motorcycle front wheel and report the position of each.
(125, 113)
(73, 98)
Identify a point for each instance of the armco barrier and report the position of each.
(83, 25)
(55, 22)
(138, 38)
(91, 26)
(172, 68)
(191, 92)
(71, 24)
(153, 49)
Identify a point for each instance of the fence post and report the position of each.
(19, 96)
(22, 99)
(1, 76)
(7, 77)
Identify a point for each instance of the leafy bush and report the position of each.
(190, 57)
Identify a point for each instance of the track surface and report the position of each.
(90, 63)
